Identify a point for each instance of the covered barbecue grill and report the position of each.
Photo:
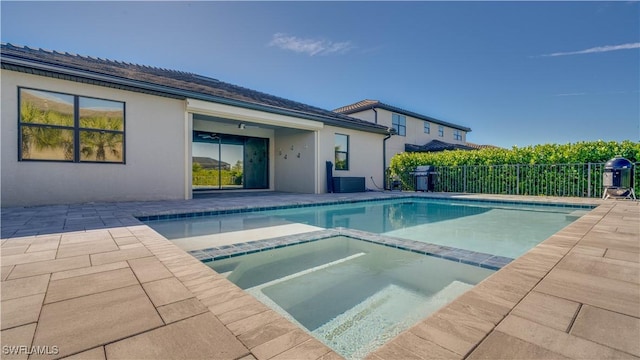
(425, 178)
(617, 179)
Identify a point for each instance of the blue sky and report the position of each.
(517, 73)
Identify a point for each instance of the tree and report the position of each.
(101, 142)
(45, 133)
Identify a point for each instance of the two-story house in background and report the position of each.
(413, 132)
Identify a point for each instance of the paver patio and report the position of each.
(92, 282)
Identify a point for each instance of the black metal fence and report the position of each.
(577, 180)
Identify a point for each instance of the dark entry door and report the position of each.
(256, 164)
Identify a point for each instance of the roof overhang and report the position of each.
(94, 78)
(380, 105)
(250, 115)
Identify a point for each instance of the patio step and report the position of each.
(234, 237)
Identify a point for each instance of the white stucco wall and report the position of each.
(155, 166)
(365, 156)
(293, 173)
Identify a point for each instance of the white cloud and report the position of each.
(598, 49)
(310, 47)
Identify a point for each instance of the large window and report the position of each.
(399, 123)
(427, 127)
(457, 135)
(62, 127)
(440, 130)
(342, 152)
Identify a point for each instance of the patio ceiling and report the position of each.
(234, 115)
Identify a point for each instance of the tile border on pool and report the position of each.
(250, 209)
(483, 260)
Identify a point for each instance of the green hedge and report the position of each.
(487, 170)
(212, 177)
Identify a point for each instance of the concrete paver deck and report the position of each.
(115, 289)
(563, 299)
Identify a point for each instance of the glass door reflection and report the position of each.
(222, 161)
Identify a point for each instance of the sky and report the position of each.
(517, 73)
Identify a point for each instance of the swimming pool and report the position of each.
(355, 275)
(350, 294)
(496, 228)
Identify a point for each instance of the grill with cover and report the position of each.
(617, 179)
(425, 178)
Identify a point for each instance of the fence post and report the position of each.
(517, 179)
(464, 178)
(589, 181)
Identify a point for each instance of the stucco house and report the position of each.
(83, 129)
(414, 132)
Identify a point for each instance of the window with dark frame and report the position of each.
(457, 135)
(342, 152)
(399, 123)
(55, 126)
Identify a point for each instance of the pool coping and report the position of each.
(485, 318)
(257, 208)
(473, 258)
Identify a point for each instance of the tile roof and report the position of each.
(370, 104)
(165, 82)
(359, 106)
(482, 146)
(436, 145)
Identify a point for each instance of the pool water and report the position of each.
(493, 228)
(508, 232)
(355, 295)
(350, 294)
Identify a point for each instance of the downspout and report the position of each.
(384, 152)
(384, 160)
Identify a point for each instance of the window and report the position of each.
(440, 130)
(62, 127)
(399, 124)
(457, 135)
(342, 152)
(427, 127)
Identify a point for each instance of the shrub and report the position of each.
(548, 154)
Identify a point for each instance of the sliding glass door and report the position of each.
(222, 161)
